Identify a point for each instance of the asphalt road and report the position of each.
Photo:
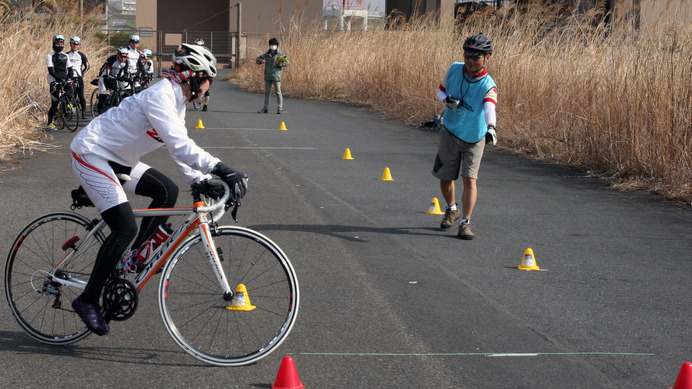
(389, 300)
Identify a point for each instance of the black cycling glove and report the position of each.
(235, 179)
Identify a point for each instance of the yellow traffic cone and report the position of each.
(347, 154)
(435, 207)
(283, 127)
(200, 125)
(387, 175)
(241, 300)
(529, 261)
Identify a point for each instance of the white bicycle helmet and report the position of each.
(195, 58)
(134, 38)
(122, 50)
(76, 40)
(58, 38)
(147, 53)
(199, 42)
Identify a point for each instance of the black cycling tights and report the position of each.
(121, 220)
(123, 227)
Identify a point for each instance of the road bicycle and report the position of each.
(68, 112)
(35, 109)
(227, 295)
(115, 97)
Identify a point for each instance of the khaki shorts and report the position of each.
(455, 155)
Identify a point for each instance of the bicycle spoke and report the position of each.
(38, 303)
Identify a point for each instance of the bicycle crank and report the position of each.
(120, 300)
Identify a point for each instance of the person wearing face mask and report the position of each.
(59, 70)
(274, 61)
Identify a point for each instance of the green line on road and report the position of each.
(474, 354)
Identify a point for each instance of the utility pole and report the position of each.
(239, 30)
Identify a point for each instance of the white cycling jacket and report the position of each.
(141, 124)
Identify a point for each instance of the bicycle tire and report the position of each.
(35, 252)
(59, 118)
(72, 113)
(197, 105)
(94, 103)
(193, 308)
(115, 99)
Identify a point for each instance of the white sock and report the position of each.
(465, 220)
(453, 207)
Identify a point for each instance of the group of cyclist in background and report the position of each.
(129, 69)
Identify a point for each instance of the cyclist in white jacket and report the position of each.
(113, 143)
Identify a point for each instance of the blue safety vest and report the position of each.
(467, 122)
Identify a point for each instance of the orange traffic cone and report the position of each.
(287, 378)
(684, 380)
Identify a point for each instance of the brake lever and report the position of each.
(234, 212)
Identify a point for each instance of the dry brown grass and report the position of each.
(616, 102)
(23, 50)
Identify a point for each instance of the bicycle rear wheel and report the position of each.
(41, 306)
(219, 331)
(197, 105)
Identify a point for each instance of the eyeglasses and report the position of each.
(134, 41)
(474, 57)
(75, 43)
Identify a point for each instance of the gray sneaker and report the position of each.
(450, 218)
(465, 231)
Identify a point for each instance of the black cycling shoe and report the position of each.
(91, 316)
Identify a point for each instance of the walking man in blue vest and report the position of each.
(470, 95)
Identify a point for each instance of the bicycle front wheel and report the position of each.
(197, 105)
(72, 113)
(94, 103)
(213, 327)
(40, 304)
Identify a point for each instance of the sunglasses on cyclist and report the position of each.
(134, 41)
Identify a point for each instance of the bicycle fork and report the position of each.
(215, 260)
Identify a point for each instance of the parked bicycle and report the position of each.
(233, 312)
(35, 109)
(68, 113)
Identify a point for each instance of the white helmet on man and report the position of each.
(195, 58)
